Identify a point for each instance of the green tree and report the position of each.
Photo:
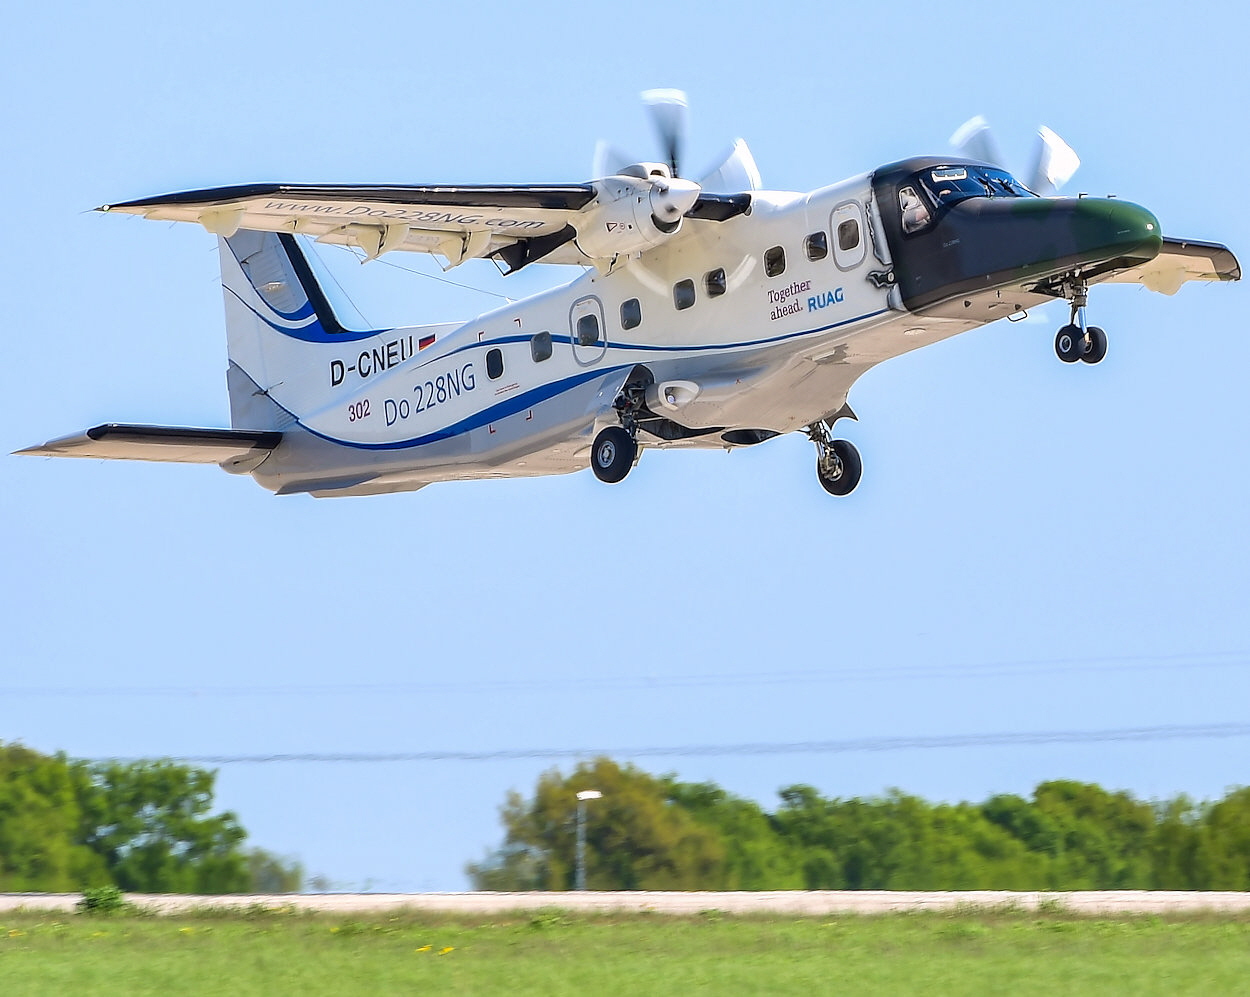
(636, 837)
(900, 842)
(269, 873)
(514, 868)
(1175, 845)
(1104, 837)
(1223, 854)
(755, 855)
(655, 833)
(150, 823)
(39, 815)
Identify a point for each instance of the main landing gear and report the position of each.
(1076, 340)
(838, 464)
(613, 454)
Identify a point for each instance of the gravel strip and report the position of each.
(812, 903)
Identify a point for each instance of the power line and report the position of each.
(906, 742)
(857, 673)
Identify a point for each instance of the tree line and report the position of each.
(68, 825)
(652, 832)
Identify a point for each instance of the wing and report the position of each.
(519, 225)
(1180, 260)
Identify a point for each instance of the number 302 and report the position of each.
(358, 411)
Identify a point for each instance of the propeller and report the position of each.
(1054, 161)
(737, 172)
(670, 111)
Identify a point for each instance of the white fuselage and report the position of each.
(770, 352)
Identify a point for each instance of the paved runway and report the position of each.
(792, 902)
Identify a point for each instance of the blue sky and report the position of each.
(1033, 546)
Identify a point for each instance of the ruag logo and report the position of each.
(824, 299)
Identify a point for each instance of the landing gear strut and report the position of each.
(1076, 340)
(616, 448)
(838, 464)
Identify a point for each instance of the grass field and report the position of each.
(553, 953)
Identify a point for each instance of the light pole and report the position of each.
(582, 797)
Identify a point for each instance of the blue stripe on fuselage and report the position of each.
(545, 392)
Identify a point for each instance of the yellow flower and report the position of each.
(449, 948)
(334, 929)
(423, 948)
(14, 933)
(186, 931)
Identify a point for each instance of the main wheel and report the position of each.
(1069, 343)
(839, 471)
(613, 454)
(1094, 346)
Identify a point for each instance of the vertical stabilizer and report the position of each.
(274, 305)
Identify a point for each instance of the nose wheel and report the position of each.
(838, 464)
(1076, 340)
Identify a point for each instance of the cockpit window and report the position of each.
(941, 186)
(950, 184)
(915, 213)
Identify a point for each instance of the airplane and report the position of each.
(710, 314)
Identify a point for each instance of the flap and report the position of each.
(457, 222)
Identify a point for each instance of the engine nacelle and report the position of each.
(632, 214)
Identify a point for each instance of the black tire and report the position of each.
(852, 469)
(613, 454)
(1094, 348)
(1069, 343)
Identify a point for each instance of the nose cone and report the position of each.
(670, 199)
(1108, 229)
(1037, 235)
(983, 243)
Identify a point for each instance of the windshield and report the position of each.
(948, 184)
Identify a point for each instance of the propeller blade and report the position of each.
(975, 140)
(668, 112)
(609, 160)
(736, 173)
(1053, 164)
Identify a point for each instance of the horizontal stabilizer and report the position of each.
(162, 443)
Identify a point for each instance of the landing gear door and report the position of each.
(587, 331)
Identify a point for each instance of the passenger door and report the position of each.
(587, 331)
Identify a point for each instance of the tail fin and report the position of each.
(274, 306)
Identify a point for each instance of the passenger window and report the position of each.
(775, 261)
(631, 314)
(817, 245)
(494, 364)
(848, 235)
(714, 281)
(683, 294)
(588, 330)
(915, 215)
(540, 347)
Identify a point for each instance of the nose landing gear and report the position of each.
(1076, 340)
(838, 464)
